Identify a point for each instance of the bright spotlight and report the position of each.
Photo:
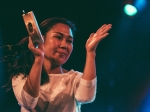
(130, 10)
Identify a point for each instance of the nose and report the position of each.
(63, 44)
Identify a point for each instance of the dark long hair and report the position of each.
(25, 59)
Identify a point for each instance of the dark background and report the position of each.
(122, 59)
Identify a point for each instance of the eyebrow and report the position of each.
(63, 34)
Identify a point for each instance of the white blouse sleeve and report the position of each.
(86, 90)
(23, 98)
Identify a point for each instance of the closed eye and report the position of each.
(70, 41)
(58, 37)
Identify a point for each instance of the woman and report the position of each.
(39, 82)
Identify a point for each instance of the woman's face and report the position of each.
(58, 43)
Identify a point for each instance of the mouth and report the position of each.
(62, 53)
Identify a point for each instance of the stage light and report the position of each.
(140, 4)
(130, 10)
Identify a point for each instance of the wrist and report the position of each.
(91, 54)
(39, 60)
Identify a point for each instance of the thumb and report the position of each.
(91, 35)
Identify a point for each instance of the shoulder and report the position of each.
(18, 79)
(74, 73)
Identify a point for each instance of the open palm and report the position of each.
(95, 38)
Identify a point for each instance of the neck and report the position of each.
(52, 68)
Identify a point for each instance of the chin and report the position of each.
(60, 62)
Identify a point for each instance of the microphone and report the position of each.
(16, 47)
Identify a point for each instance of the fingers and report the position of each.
(30, 44)
(103, 36)
(103, 31)
(40, 46)
(101, 28)
(91, 35)
(39, 51)
(105, 28)
(95, 38)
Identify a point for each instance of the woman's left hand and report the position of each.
(95, 38)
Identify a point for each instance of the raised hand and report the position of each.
(95, 38)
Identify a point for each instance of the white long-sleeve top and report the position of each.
(64, 93)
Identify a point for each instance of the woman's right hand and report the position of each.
(32, 85)
(37, 52)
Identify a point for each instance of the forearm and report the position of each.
(86, 91)
(89, 72)
(91, 45)
(32, 84)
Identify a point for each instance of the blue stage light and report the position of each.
(140, 4)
